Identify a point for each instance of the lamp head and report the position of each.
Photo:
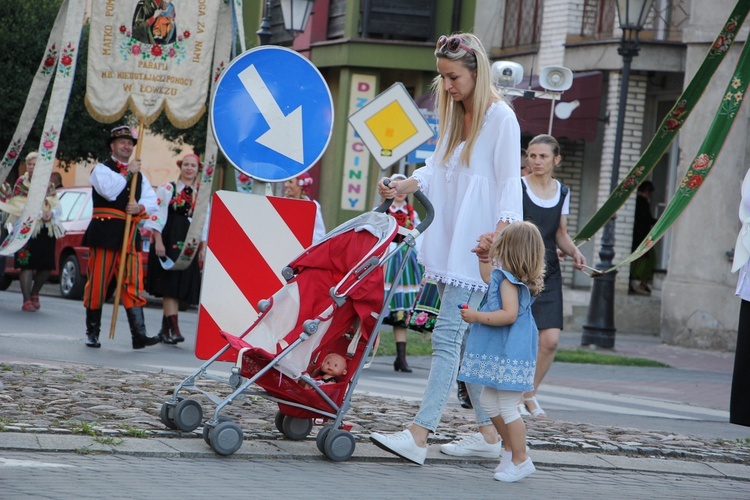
(506, 73)
(632, 14)
(296, 13)
(563, 110)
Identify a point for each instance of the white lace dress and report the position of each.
(471, 200)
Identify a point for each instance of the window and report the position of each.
(521, 23)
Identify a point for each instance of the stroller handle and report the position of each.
(419, 195)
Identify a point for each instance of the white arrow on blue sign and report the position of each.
(272, 113)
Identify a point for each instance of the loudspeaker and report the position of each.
(556, 78)
(506, 73)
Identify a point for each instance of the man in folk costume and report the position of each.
(111, 182)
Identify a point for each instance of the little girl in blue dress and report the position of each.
(502, 347)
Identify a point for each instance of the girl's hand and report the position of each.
(467, 314)
(484, 242)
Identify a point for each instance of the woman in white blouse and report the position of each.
(474, 183)
(169, 227)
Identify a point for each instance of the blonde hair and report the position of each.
(520, 250)
(31, 156)
(451, 125)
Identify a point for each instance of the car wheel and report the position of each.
(71, 281)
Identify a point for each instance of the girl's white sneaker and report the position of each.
(513, 473)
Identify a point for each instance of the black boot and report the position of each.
(164, 334)
(463, 396)
(175, 328)
(138, 329)
(400, 365)
(93, 326)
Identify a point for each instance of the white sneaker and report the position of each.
(513, 473)
(401, 444)
(473, 446)
(506, 459)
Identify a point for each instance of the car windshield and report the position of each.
(75, 205)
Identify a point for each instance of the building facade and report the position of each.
(363, 47)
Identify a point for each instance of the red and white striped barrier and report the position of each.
(251, 238)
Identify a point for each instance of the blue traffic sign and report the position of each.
(272, 113)
(426, 150)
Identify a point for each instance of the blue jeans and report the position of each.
(447, 337)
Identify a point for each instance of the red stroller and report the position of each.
(333, 302)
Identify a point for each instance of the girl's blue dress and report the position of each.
(503, 357)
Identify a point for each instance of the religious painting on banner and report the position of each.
(151, 55)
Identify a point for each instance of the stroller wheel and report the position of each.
(296, 428)
(188, 415)
(167, 415)
(339, 445)
(278, 421)
(207, 429)
(226, 438)
(320, 440)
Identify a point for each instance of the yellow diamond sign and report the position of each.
(391, 125)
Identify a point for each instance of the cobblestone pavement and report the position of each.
(70, 399)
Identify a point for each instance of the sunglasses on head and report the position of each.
(452, 44)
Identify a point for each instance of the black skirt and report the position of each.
(739, 402)
(184, 285)
(38, 254)
(547, 309)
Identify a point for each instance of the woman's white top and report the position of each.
(742, 246)
(470, 200)
(164, 195)
(320, 226)
(552, 202)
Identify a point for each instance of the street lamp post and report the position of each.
(264, 33)
(600, 329)
(295, 14)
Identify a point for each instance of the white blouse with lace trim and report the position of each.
(471, 200)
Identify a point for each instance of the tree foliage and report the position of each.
(24, 30)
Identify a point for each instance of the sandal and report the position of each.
(535, 409)
(28, 306)
(522, 410)
(35, 302)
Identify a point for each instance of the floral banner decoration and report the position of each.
(671, 124)
(704, 160)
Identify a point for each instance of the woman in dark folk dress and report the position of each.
(169, 227)
(37, 258)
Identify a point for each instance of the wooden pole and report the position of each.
(125, 239)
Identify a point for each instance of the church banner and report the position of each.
(150, 55)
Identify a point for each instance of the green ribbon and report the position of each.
(670, 125)
(704, 160)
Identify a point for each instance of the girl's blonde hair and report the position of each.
(520, 250)
(451, 114)
(31, 155)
